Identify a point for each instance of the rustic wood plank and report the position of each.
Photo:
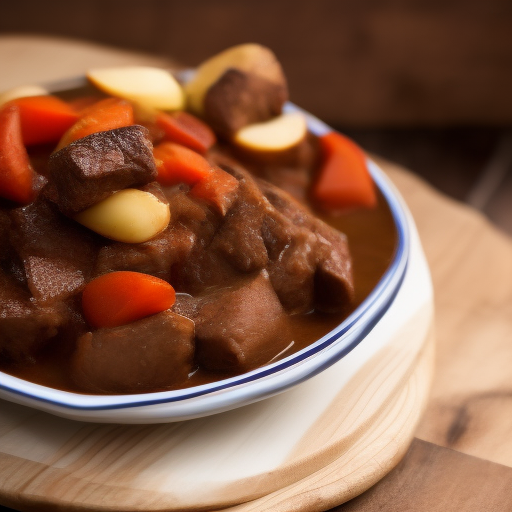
(436, 479)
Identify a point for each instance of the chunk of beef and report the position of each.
(9, 260)
(239, 238)
(292, 255)
(90, 169)
(240, 327)
(24, 325)
(153, 353)
(286, 204)
(334, 284)
(238, 98)
(57, 254)
(155, 257)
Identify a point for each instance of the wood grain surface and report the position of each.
(470, 407)
(436, 479)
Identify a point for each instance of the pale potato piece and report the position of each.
(148, 86)
(129, 215)
(250, 58)
(278, 134)
(22, 91)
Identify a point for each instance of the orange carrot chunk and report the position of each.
(177, 164)
(219, 190)
(344, 180)
(107, 114)
(16, 173)
(186, 129)
(44, 119)
(119, 298)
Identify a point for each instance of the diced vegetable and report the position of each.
(218, 189)
(107, 114)
(82, 103)
(177, 164)
(277, 134)
(151, 87)
(129, 215)
(186, 129)
(22, 91)
(120, 298)
(44, 119)
(16, 173)
(344, 180)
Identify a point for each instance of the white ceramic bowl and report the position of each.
(243, 389)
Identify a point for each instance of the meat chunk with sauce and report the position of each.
(153, 353)
(240, 327)
(56, 253)
(92, 168)
(24, 325)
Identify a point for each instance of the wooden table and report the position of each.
(461, 458)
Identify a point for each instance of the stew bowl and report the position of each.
(368, 322)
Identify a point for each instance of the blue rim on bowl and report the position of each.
(272, 378)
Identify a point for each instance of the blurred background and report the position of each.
(425, 83)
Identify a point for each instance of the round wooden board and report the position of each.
(308, 449)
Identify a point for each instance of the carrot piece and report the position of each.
(186, 129)
(344, 180)
(218, 190)
(44, 119)
(107, 114)
(82, 103)
(16, 173)
(177, 164)
(123, 297)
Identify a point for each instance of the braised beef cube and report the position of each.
(5, 224)
(57, 254)
(292, 254)
(334, 285)
(155, 257)
(241, 327)
(24, 325)
(239, 239)
(283, 202)
(333, 281)
(238, 98)
(293, 180)
(153, 353)
(9, 260)
(185, 208)
(204, 268)
(90, 169)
